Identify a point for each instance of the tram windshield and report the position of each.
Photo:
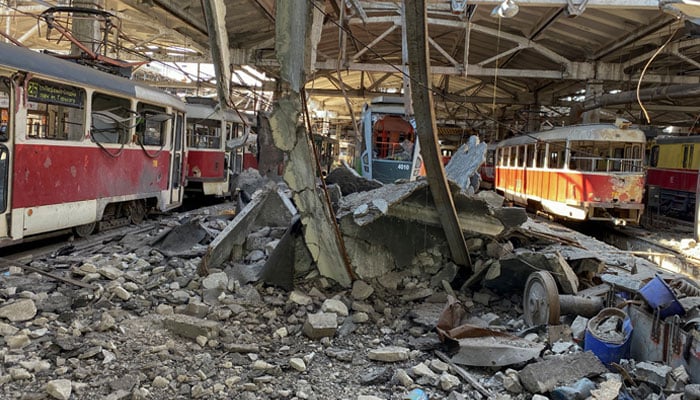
(393, 138)
(204, 133)
(590, 156)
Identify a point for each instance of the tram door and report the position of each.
(176, 169)
(6, 139)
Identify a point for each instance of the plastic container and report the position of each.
(609, 348)
(659, 295)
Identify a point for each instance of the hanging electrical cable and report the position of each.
(644, 70)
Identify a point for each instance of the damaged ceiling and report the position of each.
(525, 71)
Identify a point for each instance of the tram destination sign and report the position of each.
(47, 92)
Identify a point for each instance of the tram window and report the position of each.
(55, 111)
(541, 156)
(151, 125)
(111, 119)
(232, 130)
(654, 156)
(4, 160)
(513, 157)
(178, 132)
(687, 155)
(618, 155)
(553, 159)
(530, 156)
(4, 112)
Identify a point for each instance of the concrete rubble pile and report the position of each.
(238, 311)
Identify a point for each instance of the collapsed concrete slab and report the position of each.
(386, 227)
(182, 238)
(269, 206)
(544, 376)
(290, 257)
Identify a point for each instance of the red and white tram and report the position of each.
(584, 172)
(211, 132)
(79, 147)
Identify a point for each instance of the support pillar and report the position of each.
(594, 89)
(295, 23)
(215, 16)
(422, 99)
(85, 28)
(533, 118)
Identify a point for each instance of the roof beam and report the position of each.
(449, 97)
(215, 17)
(185, 17)
(619, 43)
(578, 71)
(267, 7)
(625, 4)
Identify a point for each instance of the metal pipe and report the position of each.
(670, 92)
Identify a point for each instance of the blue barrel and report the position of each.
(609, 343)
(659, 295)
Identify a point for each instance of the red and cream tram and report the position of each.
(584, 172)
(211, 132)
(80, 147)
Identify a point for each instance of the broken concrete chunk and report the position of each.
(350, 181)
(652, 372)
(59, 389)
(335, 306)
(320, 325)
(463, 167)
(498, 250)
(298, 364)
(361, 290)
(448, 381)
(300, 298)
(217, 280)
(7, 329)
(389, 354)
(544, 376)
(110, 272)
(20, 310)
(191, 327)
(578, 328)
(608, 390)
(692, 392)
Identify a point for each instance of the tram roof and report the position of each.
(677, 139)
(592, 132)
(47, 66)
(205, 111)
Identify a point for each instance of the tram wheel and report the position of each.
(85, 230)
(541, 299)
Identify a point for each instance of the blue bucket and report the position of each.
(609, 348)
(659, 295)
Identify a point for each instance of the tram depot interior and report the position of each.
(498, 68)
